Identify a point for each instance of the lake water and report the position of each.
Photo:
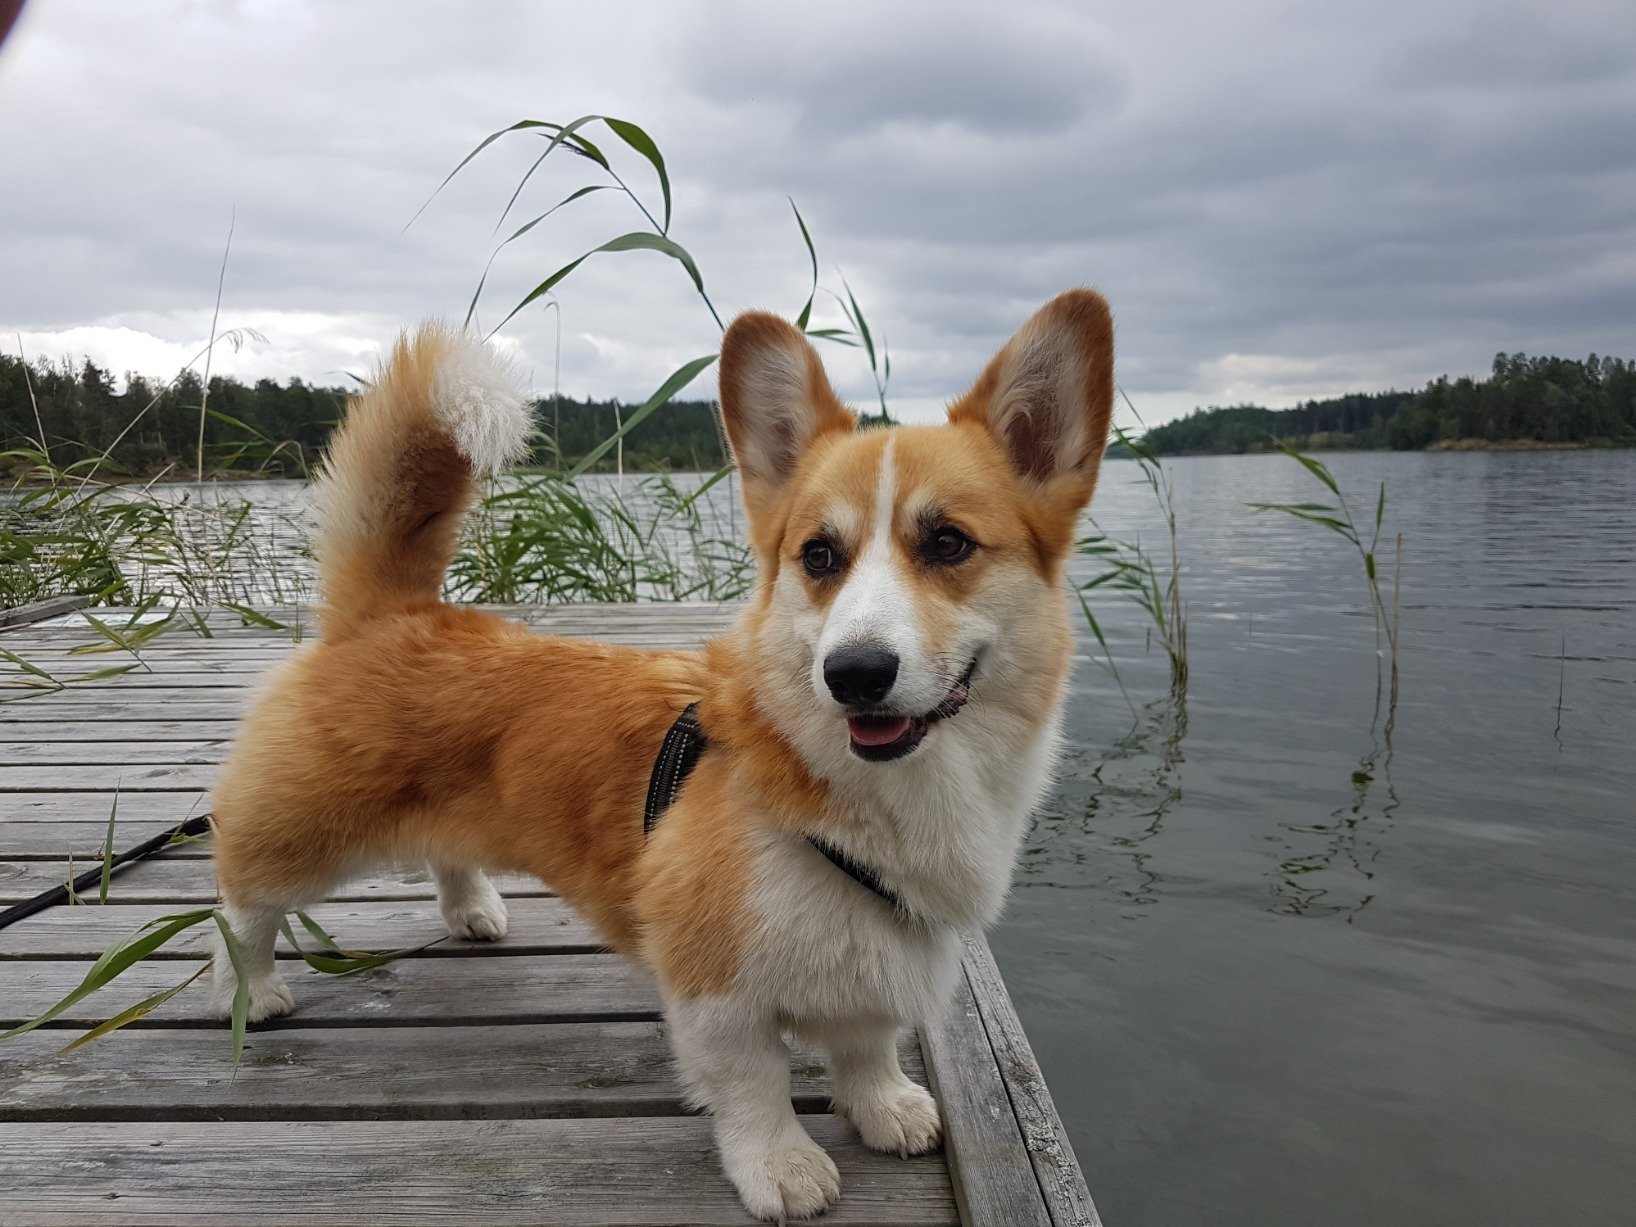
(1280, 972)
(1276, 974)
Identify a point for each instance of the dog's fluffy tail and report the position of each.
(402, 470)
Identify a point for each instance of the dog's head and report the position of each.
(909, 571)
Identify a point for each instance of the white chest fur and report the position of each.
(942, 829)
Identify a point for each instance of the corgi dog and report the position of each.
(877, 725)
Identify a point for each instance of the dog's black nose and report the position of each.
(860, 672)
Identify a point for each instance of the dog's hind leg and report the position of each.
(255, 930)
(471, 907)
(265, 870)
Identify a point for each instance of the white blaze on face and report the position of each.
(876, 605)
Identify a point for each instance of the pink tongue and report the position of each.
(877, 732)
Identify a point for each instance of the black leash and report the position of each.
(679, 753)
(93, 877)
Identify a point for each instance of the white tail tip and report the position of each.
(483, 402)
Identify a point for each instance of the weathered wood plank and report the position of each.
(675, 617)
(209, 659)
(163, 880)
(416, 991)
(116, 753)
(140, 686)
(88, 649)
(74, 704)
(39, 611)
(57, 841)
(216, 652)
(75, 651)
(994, 1181)
(142, 777)
(633, 1172)
(1062, 1182)
(93, 805)
(146, 732)
(537, 926)
(354, 1073)
(177, 668)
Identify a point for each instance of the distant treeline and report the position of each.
(153, 428)
(1544, 401)
(281, 429)
(149, 427)
(681, 436)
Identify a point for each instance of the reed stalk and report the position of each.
(1337, 518)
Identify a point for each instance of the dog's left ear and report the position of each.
(1047, 397)
(775, 400)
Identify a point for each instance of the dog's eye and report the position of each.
(820, 558)
(948, 545)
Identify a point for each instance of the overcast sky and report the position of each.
(1280, 200)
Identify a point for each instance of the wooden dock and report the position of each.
(526, 1082)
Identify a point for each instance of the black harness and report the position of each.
(679, 754)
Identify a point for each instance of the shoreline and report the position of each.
(1442, 445)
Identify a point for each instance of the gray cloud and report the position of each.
(1279, 199)
(905, 69)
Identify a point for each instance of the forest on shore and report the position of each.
(1525, 401)
(151, 428)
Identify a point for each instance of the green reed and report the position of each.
(1337, 517)
(548, 540)
(1131, 571)
(604, 172)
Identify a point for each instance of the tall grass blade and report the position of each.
(640, 141)
(1314, 466)
(108, 850)
(241, 993)
(725, 471)
(129, 1015)
(855, 314)
(521, 125)
(805, 315)
(1107, 653)
(477, 294)
(569, 137)
(636, 240)
(1330, 518)
(679, 379)
(31, 669)
(253, 617)
(116, 960)
(344, 962)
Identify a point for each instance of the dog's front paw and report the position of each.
(480, 916)
(270, 997)
(792, 1179)
(903, 1121)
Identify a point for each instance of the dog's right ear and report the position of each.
(775, 400)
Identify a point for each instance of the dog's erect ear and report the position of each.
(1047, 397)
(775, 399)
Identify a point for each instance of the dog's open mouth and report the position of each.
(881, 737)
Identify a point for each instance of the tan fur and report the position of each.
(459, 737)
